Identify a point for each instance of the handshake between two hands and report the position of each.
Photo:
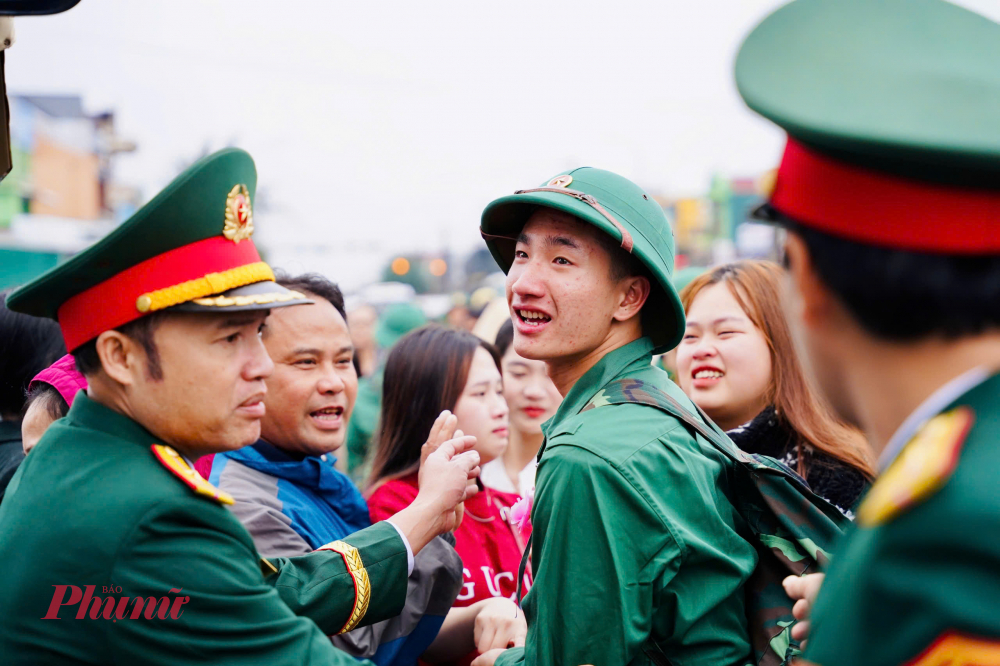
(448, 471)
(499, 623)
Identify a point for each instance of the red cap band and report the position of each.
(880, 209)
(112, 303)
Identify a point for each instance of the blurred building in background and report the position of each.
(61, 194)
(715, 227)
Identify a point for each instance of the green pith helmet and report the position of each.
(619, 208)
(686, 276)
(397, 321)
(189, 249)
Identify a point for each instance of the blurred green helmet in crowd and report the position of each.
(397, 321)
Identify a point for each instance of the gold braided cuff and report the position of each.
(362, 585)
(213, 283)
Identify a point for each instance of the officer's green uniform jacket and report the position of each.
(93, 505)
(634, 538)
(919, 583)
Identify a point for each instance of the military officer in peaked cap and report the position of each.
(889, 187)
(116, 550)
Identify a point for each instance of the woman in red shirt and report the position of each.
(431, 370)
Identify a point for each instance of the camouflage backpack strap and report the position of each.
(791, 527)
(636, 391)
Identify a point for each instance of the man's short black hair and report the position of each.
(49, 397)
(141, 331)
(623, 264)
(28, 345)
(902, 296)
(316, 284)
(627, 265)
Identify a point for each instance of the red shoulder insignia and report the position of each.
(922, 468)
(191, 478)
(954, 649)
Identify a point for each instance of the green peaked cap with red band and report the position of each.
(619, 208)
(892, 109)
(189, 249)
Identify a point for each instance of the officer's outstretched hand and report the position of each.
(445, 428)
(448, 477)
(804, 590)
(448, 471)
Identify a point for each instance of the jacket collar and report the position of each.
(939, 401)
(92, 415)
(635, 355)
(314, 473)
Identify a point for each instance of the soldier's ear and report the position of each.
(636, 293)
(119, 356)
(808, 299)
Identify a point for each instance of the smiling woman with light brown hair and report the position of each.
(738, 363)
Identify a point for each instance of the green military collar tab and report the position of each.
(612, 365)
(893, 82)
(616, 206)
(92, 415)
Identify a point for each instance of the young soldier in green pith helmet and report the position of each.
(118, 551)
(889, 190)
(638, 555)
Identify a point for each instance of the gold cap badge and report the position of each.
(561, 181)
(239, 214)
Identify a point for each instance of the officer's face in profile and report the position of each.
(312, 391)
(210, 397)
(562, 299)
(827, 339)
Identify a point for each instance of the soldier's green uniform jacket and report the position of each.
(116, 550)
(634, 540)
(917, 581)
(891, 110)
(93, 505)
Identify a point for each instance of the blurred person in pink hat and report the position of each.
(50, 395)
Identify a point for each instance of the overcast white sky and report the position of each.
(381, 127)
